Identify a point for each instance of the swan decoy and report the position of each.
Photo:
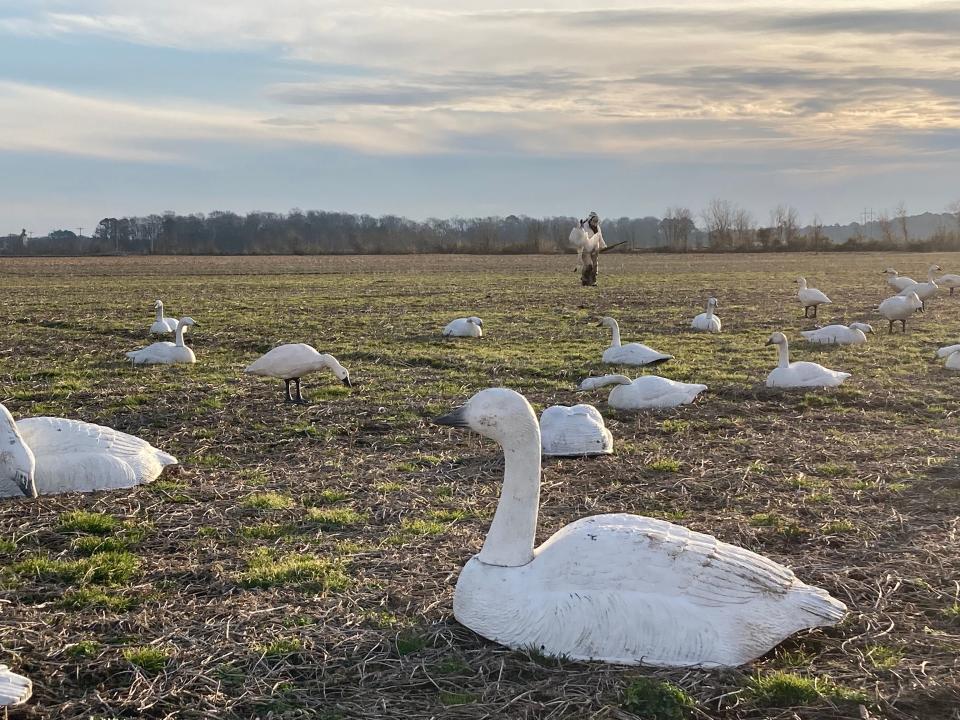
(810, 297)
(291, 362)
(947, 351)
(14, 689)
(166, 353)
(953, 361)
(899, 307)
(162, 325)
(464, 327)
(47, 455)
(647, 391)
(897, 281)
(618, 588)
(924, 290)
(631, 353)
(574, 432)
(707, 321)
(855, 334)
(799, 374)
(949, 281)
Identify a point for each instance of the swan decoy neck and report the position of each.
(17, 462)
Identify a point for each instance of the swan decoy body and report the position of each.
(647, 391)
(14, 689)
(464, 327)
(899, 307)
(953, 361)
(166, 353)
(947, 351)
(574, 432)
(631, 353)
(707, 321)
(897, 281)
(949, 281)
(618, 588)
(810, 297)
(162, 325)
(799, 374)
(924, 290)
(855, 334)
(47, 455)
(291, 362)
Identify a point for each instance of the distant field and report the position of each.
(857, 488)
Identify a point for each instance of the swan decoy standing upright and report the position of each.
(618, 588)
(166, 352)
(631, 353)
(574, 432)
(291, 362)
(855, 334)
(899, 307)
(707, 321)
(799, 374)
(14, 689)
(48, 455)
(647, 391)
(924, 290)
(464, 327)
(949, 281)
(162, 325)
(810, 297)
(897, 281)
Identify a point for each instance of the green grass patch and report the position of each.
(7, 547)
(268, 570)
(456, 698)
(86, 598)
(81, 521)
(675, 426)
(834, 470)
(329, 497)
(151, 660)
(665, 465)
(107, 568)
(268, 501)
(654, 699)
(410, 642)
(280, 647)
(883, 657)
(838, 527)
(335, 518)
(783, 689)
(83, 649)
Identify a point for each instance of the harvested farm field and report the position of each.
(300, 562)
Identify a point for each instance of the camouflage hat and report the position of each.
(593, 216)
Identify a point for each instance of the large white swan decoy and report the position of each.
(855, 334)
(647, 391)
(810, 297)
(899, 307)
(952, 355)
(897, 281)
(631, 353)
(707, 321)
(162, 325)
(619, 588)
(166, 353)
(574, 431)
(799, 374)
(291, 362)
(949, 281)
(464, 327)
(924, 290)
(47, 455)
(14, 689)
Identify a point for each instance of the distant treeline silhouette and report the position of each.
(726, 229)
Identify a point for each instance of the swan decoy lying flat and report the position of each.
(949, 281)
(799, 374)
(291, 362)
(618, 588)
(707, 321)
(631, 353)
(648, 391)
(166, 353)
(14, 689)
(162, 325)
(899, 307)
(952, 355)
(47, 455)
(810, 297)
(464, 327)
(897, 281)
(924, 290)
(574, 432)
(855, 334)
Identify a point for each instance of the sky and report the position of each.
(440, 108)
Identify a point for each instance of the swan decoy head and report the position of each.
(936, 268)
(712, 302)
(500, 414)
(188, 321)
(606, 321)
(778, 338)
(862, 327)
(889, 271)
(157, 304)
(475, 320)
(339, 370)
(17, 464)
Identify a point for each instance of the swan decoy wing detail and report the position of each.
(15, 689)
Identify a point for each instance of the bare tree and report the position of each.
(886, 228)
(784, 223)
(677, 226)
(743, 228)
(902, 221)
(817, 238)
(719, 220)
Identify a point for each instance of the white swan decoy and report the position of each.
(810, 297)
(949, 281)
(574, 432)
(648, 391)
(947, 350)
(924, 290)
(953, 361)
(464, 327)
(162, 325)
(799, 374)
(618, 588)
(47, 455)
(897, 281)
(631, 353)
(855, 334)
(14, 689)
(899, 307)
(166, 353)
(291, 362)
(707, 321)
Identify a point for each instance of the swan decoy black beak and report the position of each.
(346, 381)
(26, 485)
(769, 342)
(454, 418)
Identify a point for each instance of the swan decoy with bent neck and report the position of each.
(291, 362)
(799, 374)
(619, 588)
(631, 353)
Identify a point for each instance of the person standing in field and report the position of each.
(588, 239)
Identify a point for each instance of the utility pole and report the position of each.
(80, 232)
